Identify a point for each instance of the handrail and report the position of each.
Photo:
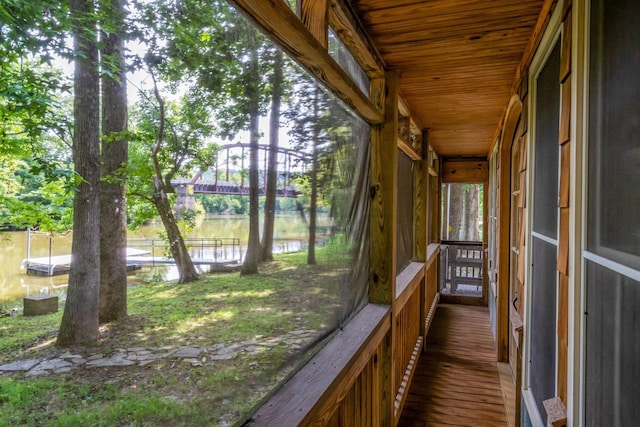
(406, 282)
(311, 394)
(433, 249)
(461, 265)
(461, 242)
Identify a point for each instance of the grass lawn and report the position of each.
(288, 295)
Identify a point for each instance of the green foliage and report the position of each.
(29, 398)
(319, 119)
(33, 26)
(224, 204)
(30, 107)
(35, 125)
(37, 192)
(222, 53)
(185, 148)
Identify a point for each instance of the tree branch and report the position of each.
(160, 136)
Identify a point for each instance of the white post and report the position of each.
(28, 243)
(50, 266)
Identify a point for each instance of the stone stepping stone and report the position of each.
(227, 356)
(20, 365)
(109, 362)
(189, 352)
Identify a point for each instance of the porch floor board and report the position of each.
(457, 382)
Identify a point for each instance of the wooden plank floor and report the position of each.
(457, 382)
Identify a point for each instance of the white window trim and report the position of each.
(544, 238)
(612, 265)
(580, 128)
(551, 36)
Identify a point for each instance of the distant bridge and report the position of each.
(229, 174)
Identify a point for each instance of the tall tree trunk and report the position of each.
(113, 218)
(456, 212)
(80, 318)
(472, 206)
(300, 209)
(251, 258)
(444, 208)
(313, 204)
(186, 270)
(272, 168)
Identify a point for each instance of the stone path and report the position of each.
(142, 356)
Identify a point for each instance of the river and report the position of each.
(15, 283)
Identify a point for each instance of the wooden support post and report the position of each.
(313, 14)
(485, 239)
(420, 215)
(383, 182)
(383, 175)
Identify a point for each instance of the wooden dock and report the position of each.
(457, 382)
(61, 264)
(136, 258)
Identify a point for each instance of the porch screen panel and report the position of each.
(612, 369)
(404, 239)
(545, 229)
(543, 322)
(614, 133)
(545, 212)
(612, 374)
(320, 165)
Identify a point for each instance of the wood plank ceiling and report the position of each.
(457, 61)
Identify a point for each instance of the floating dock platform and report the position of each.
(61, 264)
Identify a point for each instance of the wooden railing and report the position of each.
(416, 300)
(432, 293)
(343, 381)
(347, 382)
(407, 337)
(462, 268)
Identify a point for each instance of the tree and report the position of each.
(462, 204)
(224, 54)
(313, 206)
(252, 91)
(80, 318)
(310, 115)
(272, 168)
(37, 177)
(162, 187)
(323, 128)
(174, 136)
(113, 218)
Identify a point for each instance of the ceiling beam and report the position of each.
(276, 19)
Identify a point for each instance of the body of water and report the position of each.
(290, 232)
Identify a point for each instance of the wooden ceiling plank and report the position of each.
(445, 9)
(456, 60)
